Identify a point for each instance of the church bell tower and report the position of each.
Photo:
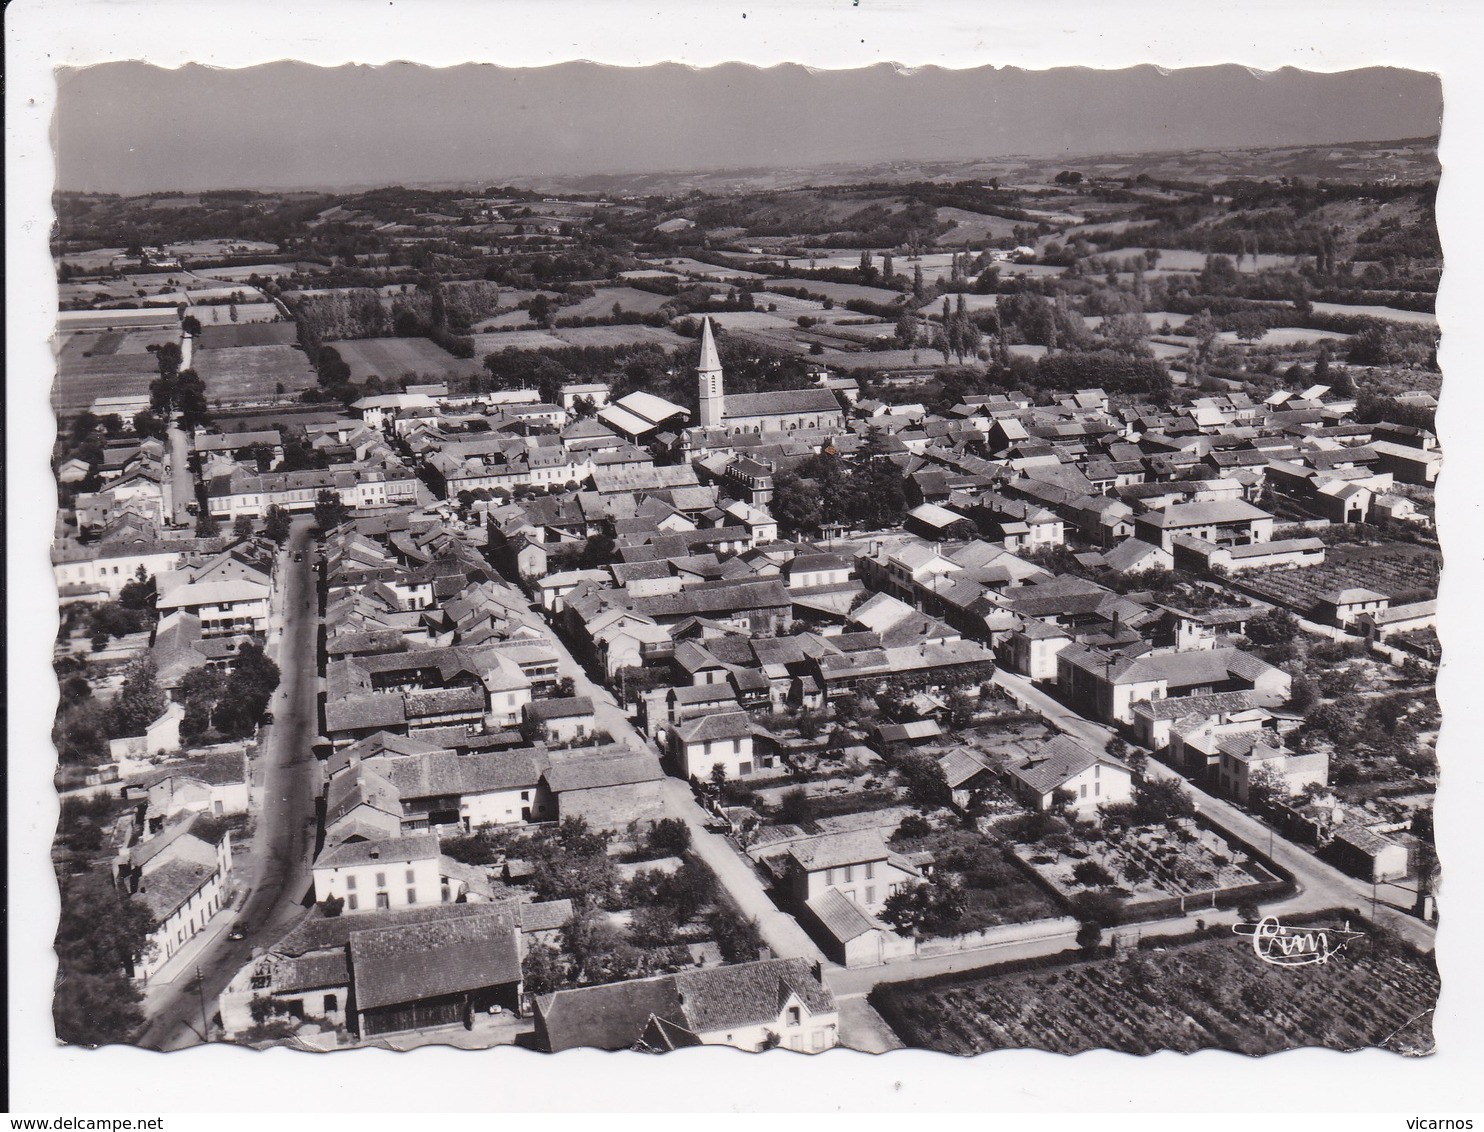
(708, 378)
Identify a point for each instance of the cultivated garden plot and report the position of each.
(1401, 574)
(1212, 993)
(1149, 862)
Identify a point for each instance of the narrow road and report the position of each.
(780, 932)
(182, 483)
(1321, 885)
(277, 867)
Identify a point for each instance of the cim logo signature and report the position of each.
(1294, 947)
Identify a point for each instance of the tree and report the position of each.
(140, 594)
(736, 937)
(1089, 936)
(329, 510)
(923, 778)
(1091, 874)
(139, 702)
(906, 909)
(669, 837)
(1276, 627)
(1161, 799)
(277, 523)
(912, 827)
(101, 931)
(797, 503)
(207, 525)
(96, 1009)
(542, 970)
(795, 806)
(1265, 788)
(248, 690)
(242, 528)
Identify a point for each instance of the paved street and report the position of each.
(1320, 885)
(277, 868)
(781, 933)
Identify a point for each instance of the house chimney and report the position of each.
(764, 951)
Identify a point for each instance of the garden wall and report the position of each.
(990, 937)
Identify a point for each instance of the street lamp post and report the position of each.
(201, 997)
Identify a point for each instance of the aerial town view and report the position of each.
(948, 604)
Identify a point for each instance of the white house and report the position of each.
(723, 739)
(400, 872)
(1062, 763)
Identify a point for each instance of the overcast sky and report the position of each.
(130, 127)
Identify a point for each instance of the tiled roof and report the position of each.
(1179, 707)
(833, 850)
(166, 888)
(840, 916)
(1054, 762)
(721, 725)
(546, 915)
(413, 962)
(590, 772)
(723, 997)
(414, 847)
(715, 999)
(571, 707)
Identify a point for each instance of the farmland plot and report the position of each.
(839, 292)
(621, 336)
(104, 364)
(217, 314)
(600, 305)
(1401, 574)
(391, 358)
(253, 373)
(221, 336)
(1211, 994)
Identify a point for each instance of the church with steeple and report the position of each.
(783, 410)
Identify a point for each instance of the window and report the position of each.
(411, 876)
(383, 900)
(849, 873)
(412, 896)
(1084, 790)
(352, 902)
(829, 876)
(332, 1004)
(817, 1040)
(870, 894)
(350, 884)
(1097, 789)
(381, 880)
(870, 870)
(793, 1015)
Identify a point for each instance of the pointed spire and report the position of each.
(710, 360)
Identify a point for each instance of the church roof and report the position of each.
(710, 360)
(781, 402)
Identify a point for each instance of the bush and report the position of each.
(669, 837)
(913, 826)
(1091, 874)
(796, 807)
(1097, 908)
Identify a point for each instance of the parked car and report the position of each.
(239, 931)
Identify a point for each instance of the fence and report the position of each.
(1000, 934)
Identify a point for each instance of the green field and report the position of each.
(253, 373)
(391, 358)
(1210, 994)
(103, 363)
(218, 336)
